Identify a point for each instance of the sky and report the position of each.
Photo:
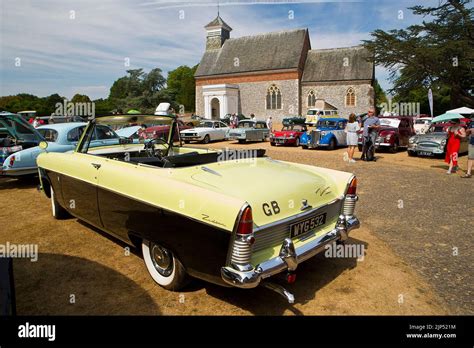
(83, 46)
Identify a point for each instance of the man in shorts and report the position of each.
(470, 156)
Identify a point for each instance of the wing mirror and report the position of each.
(43, 145)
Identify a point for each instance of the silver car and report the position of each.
(433, 142)
(249, 130)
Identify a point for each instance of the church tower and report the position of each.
(217, 32)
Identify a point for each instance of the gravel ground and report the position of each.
(412, 215)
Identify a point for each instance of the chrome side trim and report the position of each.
(209, 170)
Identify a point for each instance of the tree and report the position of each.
(438, 53)
(80, 98)
(380, 96)
(181, 83)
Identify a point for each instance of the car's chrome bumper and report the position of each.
(18, 172)
(289, 256)
(240, 136)
(191, 137)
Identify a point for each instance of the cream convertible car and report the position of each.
(187, 211)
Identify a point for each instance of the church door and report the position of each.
(215, 109)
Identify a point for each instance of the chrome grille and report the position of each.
(315, 136)
(428, 144)
(276, 234)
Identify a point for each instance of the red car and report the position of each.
(289, 135)
(393, 133)
(162, 131)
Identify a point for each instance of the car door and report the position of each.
(78, 181)
(223, 129)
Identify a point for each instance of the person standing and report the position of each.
(470, 155)
(371, 124)
(352, 127)
(36, 122)
(270, 124)
(455, 133)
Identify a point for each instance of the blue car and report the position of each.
(61, 137)
(329, 133)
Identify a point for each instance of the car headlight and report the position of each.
(443, 142)
(412, 140)
(323, 133)
(388, 137)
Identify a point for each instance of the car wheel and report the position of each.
(304, 147)
(57, 211)
(164, 267)
(332, 144)
(411, 154)
(272, 143)
(186, 141)
(394, 148)
(297, 142)
(241, 141)
(206, 139)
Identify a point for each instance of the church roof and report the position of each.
(271, 51)
(328, 64)
(218, 22)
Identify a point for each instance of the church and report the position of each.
(278, 74)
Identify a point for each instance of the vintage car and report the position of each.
(314, 114)
(290, 133)
(433, 142)
(183, 208)
(393, 133)
(60, 137)
(249, 130)
(160, 131)
(329, 133)
(422, 124)
(209, 130)
(16, 134)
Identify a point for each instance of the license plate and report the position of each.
(425, 153)
(307, 225)
(280, 141)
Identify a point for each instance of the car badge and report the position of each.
(305, 205)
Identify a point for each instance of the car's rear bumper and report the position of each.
(283, 141)
(289, 256)
(191, 138)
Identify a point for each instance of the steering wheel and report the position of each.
(150, 147)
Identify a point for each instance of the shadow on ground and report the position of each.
(47, 286)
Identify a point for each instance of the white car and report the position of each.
(207, 131)
(422, 124)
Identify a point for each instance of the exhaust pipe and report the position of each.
(280, 290)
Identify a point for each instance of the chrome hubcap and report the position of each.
(162, 259)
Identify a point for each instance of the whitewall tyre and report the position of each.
(164, 267)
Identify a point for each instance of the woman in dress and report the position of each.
(455, 133)
(352, 128)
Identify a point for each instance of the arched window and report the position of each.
(350, 97)
(311, 99)
(273, 98)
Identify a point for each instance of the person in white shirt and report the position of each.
(270, 124)
(352, 127)
(36, 122)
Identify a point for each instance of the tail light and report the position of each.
(244, 239)
(350, 199)
(12, 161)
(352, 187)
(246, 222)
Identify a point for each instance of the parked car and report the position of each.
(191, 121)
(329, 133)
(394, 132)
(184, 208)
(288, 135)
(207, 131)
(16, 134)
(433, 142)
(249, 130)
(314, 114)
(61, 137)
(422, 124)
(160, 131)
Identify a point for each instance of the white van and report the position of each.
(312, 116)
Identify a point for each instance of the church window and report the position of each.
(350, 97)
(273, 98)
(311, 99)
